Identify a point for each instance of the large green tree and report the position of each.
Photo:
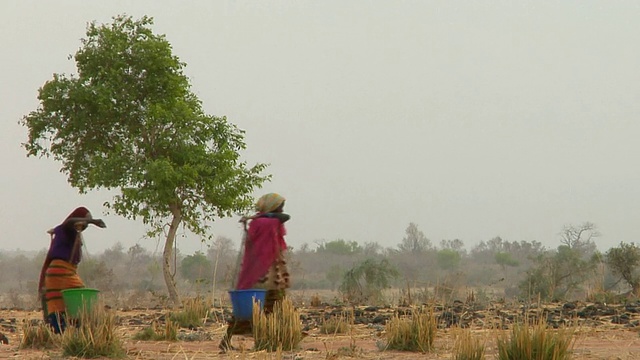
(129, 121)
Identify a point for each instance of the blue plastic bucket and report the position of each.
(242, 302)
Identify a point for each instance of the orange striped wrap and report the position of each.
(60, 275)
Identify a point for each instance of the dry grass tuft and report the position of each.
(38, 336)
(192, 314)
(536, 342)
(315, 301)
(466, 347)
(156, 332)
(94, 336)
(278, 331)
(335, 325)
(414, 333)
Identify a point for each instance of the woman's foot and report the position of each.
(225, 345)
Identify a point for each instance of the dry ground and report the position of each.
(608, 341)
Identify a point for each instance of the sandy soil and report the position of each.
(592, 342)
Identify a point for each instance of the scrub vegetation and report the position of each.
(413, 272)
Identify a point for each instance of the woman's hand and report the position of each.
(244, 219)
(99, 223)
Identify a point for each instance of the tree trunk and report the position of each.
(167, 254)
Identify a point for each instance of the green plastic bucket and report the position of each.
(79, 300)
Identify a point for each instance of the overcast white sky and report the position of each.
(471, 119)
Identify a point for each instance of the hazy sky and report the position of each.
(471, 119)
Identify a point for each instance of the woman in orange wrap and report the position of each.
(59, 271)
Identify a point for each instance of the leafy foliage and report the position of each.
(505, 259)
(365, 281)
(448, 259)
(414, 241)
(556, 274)
(536, 283)
(196, 267)
(339, 247)
(334, 274)
(137, 274)
(624, 261)
(129, 120)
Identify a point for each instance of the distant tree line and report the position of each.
(416, 268)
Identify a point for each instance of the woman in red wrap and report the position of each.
(59, 271)
(263, 263)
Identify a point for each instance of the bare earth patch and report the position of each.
(599, 337)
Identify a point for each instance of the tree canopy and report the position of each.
(339, 247)
(624, 261)
(415, 241)
(196, 267)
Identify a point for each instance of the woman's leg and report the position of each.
(57, 322)
(234, 327)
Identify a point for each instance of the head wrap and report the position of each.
(80, 212)
(269, 202)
